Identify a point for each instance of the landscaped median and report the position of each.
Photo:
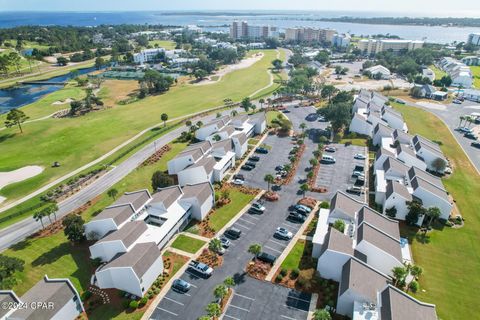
(449, 257)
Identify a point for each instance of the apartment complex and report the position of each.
(372, 46)
(361, 259)
(474, 38)
(309, 35)
(459, 72)
(243, 30)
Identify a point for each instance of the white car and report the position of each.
(358, 174)
(359, 156)
(238, 182)
(283, 233)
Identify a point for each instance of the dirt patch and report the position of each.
(113, 91)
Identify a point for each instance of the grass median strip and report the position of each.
(221, 216)
(187, 244)
(450, 257)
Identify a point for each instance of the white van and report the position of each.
(328, 159)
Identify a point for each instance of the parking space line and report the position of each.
(254, 218)
(282, 316)
(242, 296)
(174, 301)
(270, 248)
(246, 221)
(188, 295)
(165, 310)
(193, 285)
(228, 316)
(240, 308)
(276, 242)
(288, 225)
(238, 224)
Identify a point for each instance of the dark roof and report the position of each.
(337, 241)
(420, 183)
(398, 305)
(167, 195)
(380, 240)
(346, 204)
(119, 213)
(128, 234)
(396, 165)
(136, 198)
(363, 279)
(140, 258)
(397, 188)
(201, 191)
(379, 221)
(416, 172)
(7, 297)
(59, 292)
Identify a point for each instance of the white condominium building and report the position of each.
(372, 46)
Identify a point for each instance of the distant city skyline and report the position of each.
(430, 8)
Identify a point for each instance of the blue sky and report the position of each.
(395, 7)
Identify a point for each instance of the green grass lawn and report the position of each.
(450, 258)
(476, 76)
(271, 115)
(361, 142)
(253, 141)
(167, 44)
(76, 141)
(439, 73)
(223, 215)
(292, 261)
(187, 244)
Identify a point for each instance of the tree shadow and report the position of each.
(6, 136)
(239, 277)
(21, 245)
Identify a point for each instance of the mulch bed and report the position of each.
(210, 258)
(156, 156)
(258, 269)
(271, 196)
(223, 303)
(291, 173)
(308, 202)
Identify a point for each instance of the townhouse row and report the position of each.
(361, 259)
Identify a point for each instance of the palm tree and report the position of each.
(399, 274)
(303, 126)
(461, 120)
(53, 210)
(188, 123)
(112, 193)
(255, 249)
(38, 216)
(304, 188)
(313, 162)
(220, 291)
(269, 178)
(287, 167)
(229, 282)
(234, 113)
(215, 245)
(213, 310)
(199, 124)
(261, 101)
(164, 118)
(433, 213)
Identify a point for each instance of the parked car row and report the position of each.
(469, 134)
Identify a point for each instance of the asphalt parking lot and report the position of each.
(338, 176)
(260, 300)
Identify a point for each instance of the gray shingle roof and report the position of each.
(379, 239)
(346, 204)
(383, 151)
(204, 146)
(420, 183)
(140, 258)
(136, 198)
(416, 172)
(338, 241)
(402, 137)
(397, 188)
(228, 129)
(397, 305)
(57, 291)
(225, 145)
(419, 138)
(422, 145)
(242, 138)
(201, 191)
(167, 196)
(119, 213)
(383, 130)
(395, 165)
(362, 279)
(379, 221)
(128, 234)
(207, 162)
(195, 153)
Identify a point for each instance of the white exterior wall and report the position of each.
(377, 138)
(330, 264)
(378, 258)
(430, 200)
(107, 250)
(346, 300)
(200, 211)
(239, 149)
(399, 203)
(100, 227)
(360, 126)
(151, 275)
(178, 164)
(119, 278)
(260, 126)
(218, 175)
(203, 132)
(429, 157)
(193, 176)
(379, 163)
(69, 311)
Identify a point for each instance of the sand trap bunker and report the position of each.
(18, 175)
(60, 102)
(245, 63)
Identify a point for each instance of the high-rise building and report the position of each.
(309, 34)
(372, 46)
(474, 38)
(242, 30)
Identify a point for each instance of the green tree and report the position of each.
(322, 57)
(8, 267)
(414, 286)
(269, 179)
(38, 216)
(164, 118)
(262, 102)
(161, 180)
(328, 91)
(439, 165)
(277, 64)
(74, 227)
(246, 104)
(200, 74)
(255, 249)
(399, 275)
(338, 114)
(234, 113)
(322, 314)
(213, 310)
(415, 210)
(15, 117)
(339, 225)
(304, 188)
(303, 126)
(62, 61)
(433, 213)
(229, 282)
(391, 212)
(215, 245)
(112, 193)
(220, 291)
